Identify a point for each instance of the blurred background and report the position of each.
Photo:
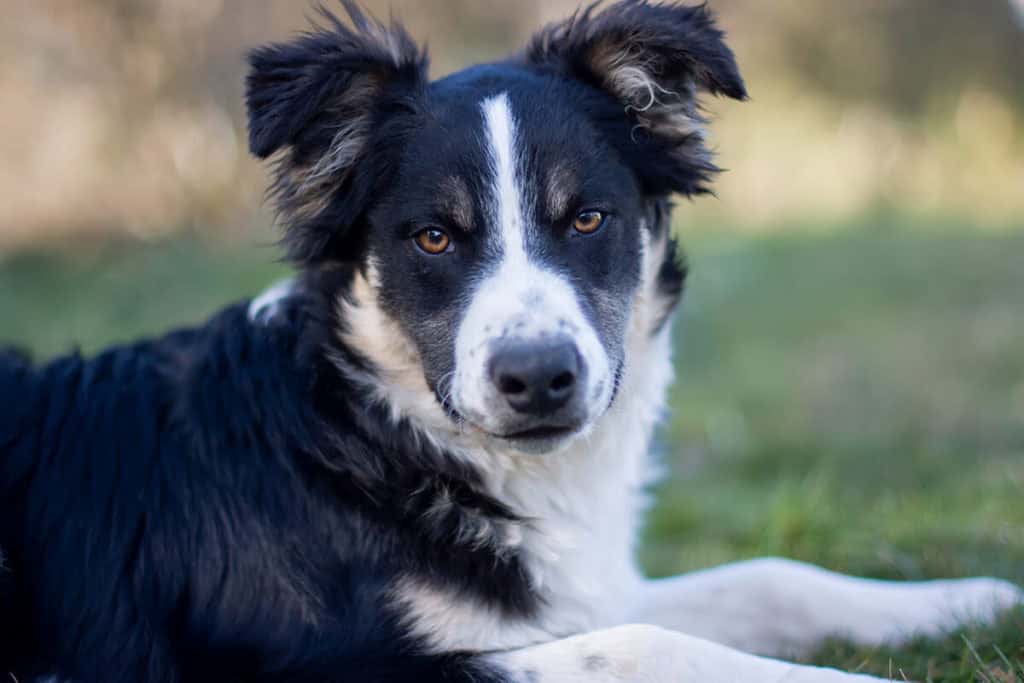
(125, 117)
(851, 352)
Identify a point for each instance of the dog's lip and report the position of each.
(541, 433)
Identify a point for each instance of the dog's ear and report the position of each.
(654, 59)
(317, 104)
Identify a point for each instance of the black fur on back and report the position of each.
(219, 505)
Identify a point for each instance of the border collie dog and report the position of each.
(425, 458)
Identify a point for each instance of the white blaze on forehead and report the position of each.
(508, 201)
(518, 298)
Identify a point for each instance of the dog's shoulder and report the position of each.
(137, 449)
(17, 383)
(145, 397)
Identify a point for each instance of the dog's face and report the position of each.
(508, 247)
(500, 218)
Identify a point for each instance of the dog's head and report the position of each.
(504, 221)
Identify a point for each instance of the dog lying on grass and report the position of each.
(425, 458)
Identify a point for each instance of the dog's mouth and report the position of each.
(540, 440)
(533, 439)
(546, 432)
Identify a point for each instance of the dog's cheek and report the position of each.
(427, 315)
(615, 276)
(437, 348)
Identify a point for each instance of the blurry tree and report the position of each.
(126, 115)
(902, 54)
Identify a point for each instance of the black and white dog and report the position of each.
(425, 458)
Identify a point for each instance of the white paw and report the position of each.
(962, 601)
(936, 608)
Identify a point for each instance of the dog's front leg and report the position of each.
(640, 653)
(780, 607)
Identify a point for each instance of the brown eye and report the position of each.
(432, 241)
(587, 222)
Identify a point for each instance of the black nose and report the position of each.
(536, 378)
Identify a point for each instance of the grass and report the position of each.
(855, 399)
(852, 398)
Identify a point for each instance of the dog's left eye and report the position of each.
(433, 241)
(587, 222)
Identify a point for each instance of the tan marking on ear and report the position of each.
(294, 202)
(305, 189)
(662, 111)
(350, 140)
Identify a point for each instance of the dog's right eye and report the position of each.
(433, 241)
(587, 222)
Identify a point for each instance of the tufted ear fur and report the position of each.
(654, 59)
(318, 104)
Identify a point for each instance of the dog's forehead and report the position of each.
(546, 109)
(450, 163)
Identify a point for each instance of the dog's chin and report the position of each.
(531, 440)
(523, 438)
(537, 441)
(500, 432)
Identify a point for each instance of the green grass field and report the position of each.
(852, 398)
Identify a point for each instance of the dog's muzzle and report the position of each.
(539, 385)
(538, 379)
(530, 368)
